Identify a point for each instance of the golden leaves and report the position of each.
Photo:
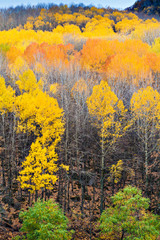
(115, 172)
(7, 97)
(107, 110)
(144, 103)
(40, 114)
(38, 168)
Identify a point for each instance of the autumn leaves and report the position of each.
(36, 112)
(113, 120)
(47, 70)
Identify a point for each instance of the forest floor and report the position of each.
(83, 223)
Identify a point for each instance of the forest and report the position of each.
(80, 121)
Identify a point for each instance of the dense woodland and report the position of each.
(79, 110)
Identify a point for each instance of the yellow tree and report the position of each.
(115, 173)
(39, 114)
(108, 114)
(145, 117)
(39, 168)
(6, 97)
(18, 67)
(7, 105)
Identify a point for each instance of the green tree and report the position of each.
(45, 220)
(128, 218)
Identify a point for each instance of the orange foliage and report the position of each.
(128, 67)
(58, 54)
(12, 54)
(53, 54)
(96, 52)
(33, 53)
(129, 61)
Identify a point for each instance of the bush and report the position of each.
(128, 217)
(45, 220)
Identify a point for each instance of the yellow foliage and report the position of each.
(156, 46)
(80, 19)
(22, 45)
(144, 104)
(65, 167)
(27, 81)
(80, 88)
(39, 23)
(98, 28)
(126, 26)
(64, 18)
(115, 172)
(39, 113)
(145, 108)
(39, 168)
(54, 87)
(28, 26)
(147, 31)
(108, 110)
(67, 28)
(6, 97)
(18, 67)
(14, 37)
(39, 68)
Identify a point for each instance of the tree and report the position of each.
(115, 173)
(128, 218)
(7, 98)
(145, 117)
(98, 28)
(108, 114)
(126, 26)
(45, 220)
(39, 114)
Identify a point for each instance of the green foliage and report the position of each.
(128, 218)
(45, 220)
(4, 48)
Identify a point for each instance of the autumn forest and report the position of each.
(80, 118)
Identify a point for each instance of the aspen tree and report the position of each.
(7, 95)
(39, 114)
(108, 113)
(145, 116)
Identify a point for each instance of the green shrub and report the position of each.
(45, 220)
(128, 218)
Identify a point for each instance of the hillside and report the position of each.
(79, 114)
(150, 7)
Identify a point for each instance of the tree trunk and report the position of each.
(146, 161)
(102, 177)
(122, 237)
(4, 154)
